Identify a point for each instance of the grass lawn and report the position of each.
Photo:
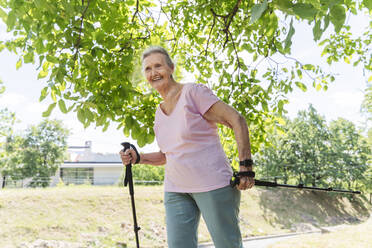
(358, 236)
(92, 216)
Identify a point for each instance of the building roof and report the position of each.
(83, 157)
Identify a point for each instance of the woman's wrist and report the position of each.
(244, 168)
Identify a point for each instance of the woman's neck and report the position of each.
(170, 91)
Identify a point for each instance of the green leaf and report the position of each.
(305, 10)
(49, 110)
(280, 106)
(52, 59)
(53, 94)
(299, 73)
(338, 16)
(283, 5)
(308, 67)
(11, 19)
(126, 131)
(347, 60)
(141, 141)
(44, 93)
(368, 4)
(253, 73)
(46, 66)
(81, 115)
(19, 64)
(370, 79)
(318, 87)
(62, 106)
(105, 127)
(29, 57)
(301, 86)
(288, 39)
(265, 106)
(255, 57)
(317, 31)
(257, 11)
(42, 74)
(326, 22)
(3, 15)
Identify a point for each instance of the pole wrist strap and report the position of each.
(246, 163)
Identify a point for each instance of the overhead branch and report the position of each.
(232, 14)
(77, 44)
(137, 14)
(227, 20)
(137, 11)
(209, 36)
(172, 27)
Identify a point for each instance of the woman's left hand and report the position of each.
(245, 182)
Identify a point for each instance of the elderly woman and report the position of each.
(197, 172)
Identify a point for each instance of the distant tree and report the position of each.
(349, 153)
(274, 158)
(308, 137)
(37, 153)
(367, 110)
(7, 120)
(310, 151)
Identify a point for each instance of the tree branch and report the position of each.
(77, 44)
(227, 20)
(137, 11)
(210, 32)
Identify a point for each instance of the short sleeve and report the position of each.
(203, 98)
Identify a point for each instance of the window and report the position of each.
(77, 175)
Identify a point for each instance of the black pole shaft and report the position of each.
(236, 180)
(129, 180)
(131, 192)
(300, 186)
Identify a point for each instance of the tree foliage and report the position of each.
(311, 152)
(7, 119)
(89, 49)
(349, 152)
(36, 154)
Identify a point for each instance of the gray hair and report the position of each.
(158, 49)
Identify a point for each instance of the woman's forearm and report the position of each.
(154, 158)
(224, 114)
(242, 138)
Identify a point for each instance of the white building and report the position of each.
(86, 167)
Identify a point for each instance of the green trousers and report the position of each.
(220, 211)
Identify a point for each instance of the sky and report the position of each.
(342, 99)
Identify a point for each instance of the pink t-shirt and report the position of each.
(196, 161)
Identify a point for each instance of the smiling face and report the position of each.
(157, 72)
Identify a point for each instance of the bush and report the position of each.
(146, 174)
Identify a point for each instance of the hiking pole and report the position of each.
(129, 179)
(236, 180)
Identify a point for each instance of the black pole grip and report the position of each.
(128, 179)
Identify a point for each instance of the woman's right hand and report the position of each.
(128, 157)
